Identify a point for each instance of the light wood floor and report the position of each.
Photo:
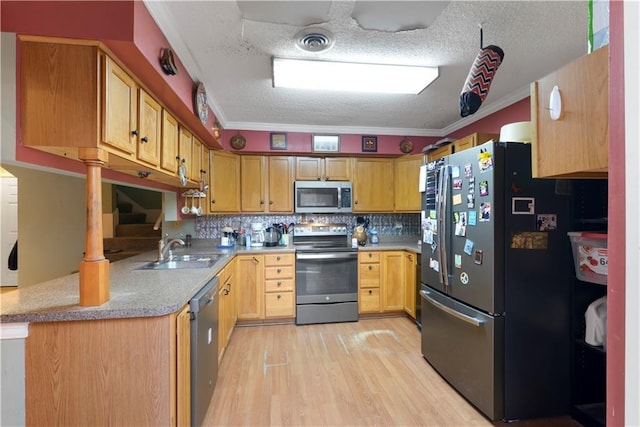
(366, 373)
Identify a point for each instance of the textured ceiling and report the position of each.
(228, 45)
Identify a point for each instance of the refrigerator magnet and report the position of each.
(485, 161)
(457, 199)
(477, 256)
(455, 171)
(464, 278)
(468, 170)
(485, 211)
(471, 200)
(484, 188)
(461, 224)
(457, 184)
(458, 260)
(468, 247)
(546, 222)
(473, 217)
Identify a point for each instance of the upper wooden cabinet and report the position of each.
(461, 144)
(185, 150)
(323, 169)
(266, 183)
(577, 144)
(406, 180)
(373, 185)
(150, 129)
(169, 159)
(76, 96)
(224, 182)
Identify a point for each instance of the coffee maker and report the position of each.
(257, 234)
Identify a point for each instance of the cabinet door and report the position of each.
(149, 134)
(252, 183)
(473, 140)
(196, 160)
(438, 153)
(337, 169)
(224, 182)
(392, 286)
(576, 145)
(280, 184)
(120, 108)
(169, 149)
(309, 168)
(373, 185)
(410, 283)
(251, 289)
(183, 374)
(185, 145)
(407, 175)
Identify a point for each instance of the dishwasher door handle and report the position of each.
(465, 318)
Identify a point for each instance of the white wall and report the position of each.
(632, 156)
(8, 225)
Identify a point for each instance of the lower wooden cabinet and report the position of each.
(227, 316)
(387, 282)
(183, 370)
(392, 283)
(410, 283)
(279, 275)
(369, 282)
(251, 289)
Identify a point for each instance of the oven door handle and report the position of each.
(327, 255)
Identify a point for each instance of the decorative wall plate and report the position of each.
(200, 101)
(238, 142)
(406, 146)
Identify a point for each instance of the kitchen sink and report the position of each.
(183, 261)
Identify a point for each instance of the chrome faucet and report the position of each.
(165, 247)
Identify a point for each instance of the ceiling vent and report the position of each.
(314, 39)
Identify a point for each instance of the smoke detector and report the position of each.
(314, 39)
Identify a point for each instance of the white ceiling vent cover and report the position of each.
(314, 39)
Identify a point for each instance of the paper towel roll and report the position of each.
(516, 132)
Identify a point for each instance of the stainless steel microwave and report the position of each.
(323, 196)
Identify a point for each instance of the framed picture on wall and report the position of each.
(370, 143)
(325, 143)
(278, 141)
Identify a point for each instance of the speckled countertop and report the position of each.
(134, 292)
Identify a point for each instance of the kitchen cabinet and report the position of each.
(410, 283)
(266, 183)
(169, 159)
(392, 281)
(183, 367)
(323, 169)
(198, 168)
(224, 182)
(251, 288)
(149, 131)
(461, 144)
(577, 144)
(76, 97)
(279, 275)
(129, 371)
(440, 152)
(373, 185)
(369, 282)
(185, 148)
(406, 180)
(227, 291)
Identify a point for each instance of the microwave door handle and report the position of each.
(339, 197)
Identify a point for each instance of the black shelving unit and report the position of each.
(588, 373)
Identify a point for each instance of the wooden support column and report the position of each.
(94, 269)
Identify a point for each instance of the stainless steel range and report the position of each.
(326, 274)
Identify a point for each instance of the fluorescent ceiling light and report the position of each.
(344, 76)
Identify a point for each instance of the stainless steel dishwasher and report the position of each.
(204, 349)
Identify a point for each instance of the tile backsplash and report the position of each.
(210, 226)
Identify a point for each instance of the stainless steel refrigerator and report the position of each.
(496, 281)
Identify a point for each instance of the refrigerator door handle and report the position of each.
(442, 226)
(468, 319)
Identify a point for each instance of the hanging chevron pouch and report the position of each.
(478, 82)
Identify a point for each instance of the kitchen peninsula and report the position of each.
(123, 354)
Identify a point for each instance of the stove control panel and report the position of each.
(317, 229)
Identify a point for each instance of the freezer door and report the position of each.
(465, 346)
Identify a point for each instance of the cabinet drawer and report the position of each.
(279, 304)
(278, 285)
(369, 275)
(370, 256)
(369, 301)
(278, 272)
(278, 259)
